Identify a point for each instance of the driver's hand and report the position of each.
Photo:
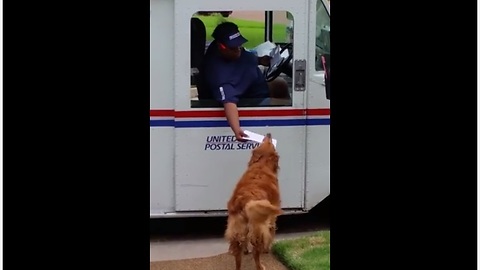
(264, 60)
(240, 135)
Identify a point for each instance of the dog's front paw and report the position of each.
(246, 250)
(267, 249)
(232, 248)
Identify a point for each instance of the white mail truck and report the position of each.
(195, 160)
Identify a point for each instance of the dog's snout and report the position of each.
(269, 135)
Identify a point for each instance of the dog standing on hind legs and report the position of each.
(254, 205)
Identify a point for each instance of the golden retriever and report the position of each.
(254, 205)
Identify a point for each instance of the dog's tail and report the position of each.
(261, 216)
(260, 210)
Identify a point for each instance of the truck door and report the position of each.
(318, 105)
(208, 161)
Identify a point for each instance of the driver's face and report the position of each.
(230, 53)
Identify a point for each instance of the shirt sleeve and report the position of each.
(222, 90)
(225, 93)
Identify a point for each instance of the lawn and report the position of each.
(254, 31)
(306, 253)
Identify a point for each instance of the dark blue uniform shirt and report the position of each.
(230, 81)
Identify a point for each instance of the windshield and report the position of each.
(322, 40)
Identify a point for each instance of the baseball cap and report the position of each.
(228, 34)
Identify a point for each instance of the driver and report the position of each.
(232, 73)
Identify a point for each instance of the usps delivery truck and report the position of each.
(195, 160)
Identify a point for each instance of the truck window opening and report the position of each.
(257, 27)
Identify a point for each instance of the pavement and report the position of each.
(207, 254)
(161, 250)
(194, 238)
(219, 262)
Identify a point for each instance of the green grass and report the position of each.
(251, 30)
(306, 253)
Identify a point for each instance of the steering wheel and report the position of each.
(272, 72)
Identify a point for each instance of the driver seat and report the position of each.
(202, 89)
(198, 37)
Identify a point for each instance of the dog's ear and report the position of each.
(256, 155)
(274, 157)
(274, 160)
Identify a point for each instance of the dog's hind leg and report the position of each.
(256, 258)
(236, 234)
(236, 250)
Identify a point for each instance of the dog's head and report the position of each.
(265, 152)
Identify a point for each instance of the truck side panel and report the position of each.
(161, 54)
(161, 99)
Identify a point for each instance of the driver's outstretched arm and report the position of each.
(231, 112)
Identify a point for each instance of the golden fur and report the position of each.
(254, 205)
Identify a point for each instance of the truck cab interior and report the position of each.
(275, 26)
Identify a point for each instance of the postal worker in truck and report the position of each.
(231, 73)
